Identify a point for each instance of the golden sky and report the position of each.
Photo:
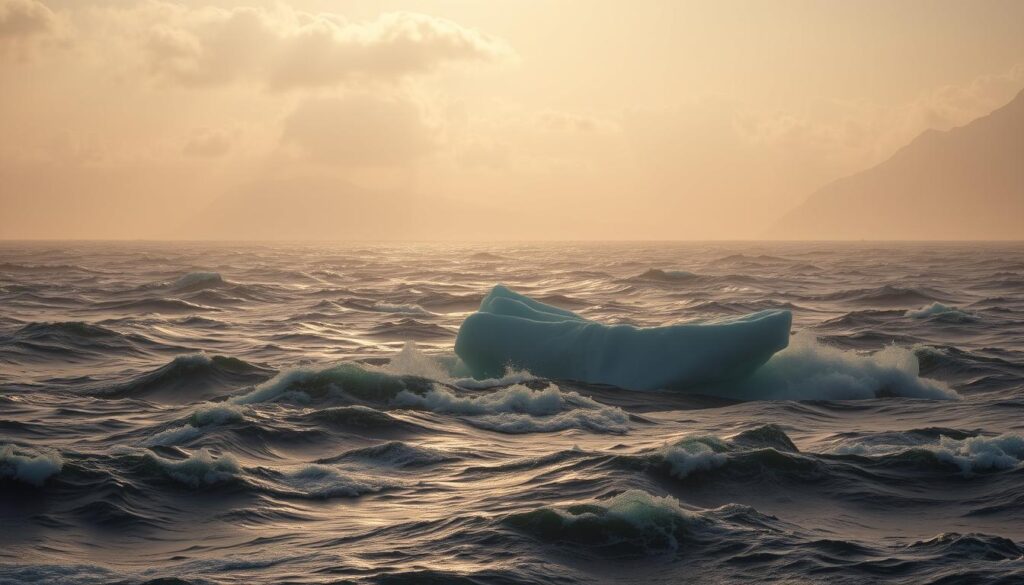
(450, 119)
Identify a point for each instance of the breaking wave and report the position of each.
(188, 378)
(968, 454)
(809, 370)
(28, 467)
(633, 523)
(941, 312)
(520, 409)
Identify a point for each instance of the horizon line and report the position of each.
(499, 241)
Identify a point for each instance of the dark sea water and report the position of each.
(214, 413)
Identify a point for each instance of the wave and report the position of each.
(204, 322)
(155, 305)
(347, 381)
(667, 276)
(74, 339)
(512, 409)
(764, 452)
(410, 361)
(748, 260)
(317, 481)
(126, 468)
(742, 308)
(371, 306)
(850, 470)
(631, 523)
(512, 376)
(486, 256)
(943, 313)
(203, 418)
(861, 319)
(409, 329)
(45, 268)
(358, 417)
(28, 467)
(970, 455)
(194, 281)
(970, 371)
(765, 436)
(393, 454)
(887, 295)
(47, 301)
(198, 469)
(686, 457)
(636, 523)
(808, 370)
(64, 330)
(408, 308)
(216, 298)
(520, 409)
(953, 545)
(449, 302)
(188, 378)
(201, 469)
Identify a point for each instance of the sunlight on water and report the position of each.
(297, 413)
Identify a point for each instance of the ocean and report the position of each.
(294, 413)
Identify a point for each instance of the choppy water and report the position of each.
(244, 413)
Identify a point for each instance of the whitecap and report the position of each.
(31, 468)
(809, 370)
(199, 468)
(520, 409)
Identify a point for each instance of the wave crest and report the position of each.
(521, 409)
(808, 370)
(27, 467)
(632, 522)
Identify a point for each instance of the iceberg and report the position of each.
(513, 330)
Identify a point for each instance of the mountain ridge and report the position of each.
(965, 183)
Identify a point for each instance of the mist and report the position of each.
(454, 120)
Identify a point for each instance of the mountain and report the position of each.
(963, 184)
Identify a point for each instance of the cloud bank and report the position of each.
(284, 49)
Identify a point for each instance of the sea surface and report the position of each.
(294, 413)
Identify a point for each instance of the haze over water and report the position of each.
(237, 413)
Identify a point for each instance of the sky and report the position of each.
(470, 119)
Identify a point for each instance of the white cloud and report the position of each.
(284, 49)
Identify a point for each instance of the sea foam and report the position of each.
(631, 523)
(204, 417)
(970, 454)
(199, 468)
(941, 312)
(809, 370)
(30, 468)
(520, 409)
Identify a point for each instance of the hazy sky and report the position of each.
(471, 118)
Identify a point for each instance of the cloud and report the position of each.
(25, 18)
(23, 23)
(854, 135)
(358, 131)
(208, 144)
(955, 105)
(283, 49)
(557, 121)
